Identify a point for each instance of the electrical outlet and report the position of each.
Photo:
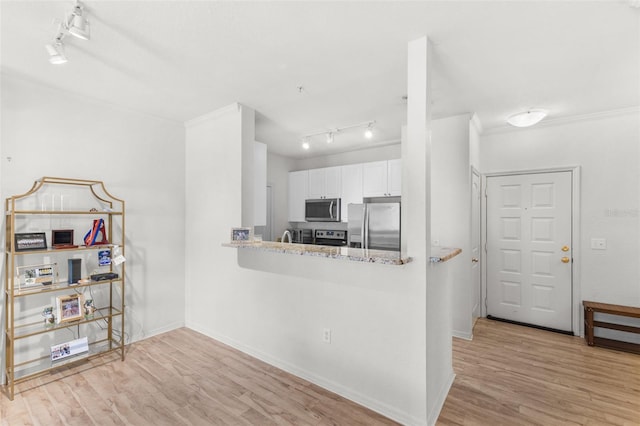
(326, 335)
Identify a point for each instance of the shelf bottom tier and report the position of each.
(44, 365)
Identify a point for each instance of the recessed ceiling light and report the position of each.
(527, 118)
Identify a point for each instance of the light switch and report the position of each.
(598, 244)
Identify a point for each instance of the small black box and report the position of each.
(105, 276)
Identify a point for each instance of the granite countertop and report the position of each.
(442, 254)
(344, 253)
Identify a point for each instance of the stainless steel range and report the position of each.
(328, 237)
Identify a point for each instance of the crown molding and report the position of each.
(232, 108)
(475, 122)
(566, 120)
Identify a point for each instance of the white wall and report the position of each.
(450, 211)
(140, 159)
(607, 150)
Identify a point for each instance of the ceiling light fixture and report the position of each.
(527, 118)
(330, 134)
(56, 51)
(76, 24)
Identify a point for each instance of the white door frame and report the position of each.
(576, 306)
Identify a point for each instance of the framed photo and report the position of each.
(36, 275)
(70, 308)
(62, 238)
(68, 349)
(241, 234)
(31, 241)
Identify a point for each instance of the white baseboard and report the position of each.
(145, 335)
(462, 335)
(361, 399)
(442, 397)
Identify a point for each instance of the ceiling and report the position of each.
(182, 59)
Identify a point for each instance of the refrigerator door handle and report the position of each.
(365, 228)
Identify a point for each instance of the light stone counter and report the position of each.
(442, 254)
(344, 253)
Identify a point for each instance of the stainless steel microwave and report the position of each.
(322, 210)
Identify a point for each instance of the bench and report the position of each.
(605, 308)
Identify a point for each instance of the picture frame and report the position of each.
(70, 308)
(62, 238)
(241, 234)
(68, 349)
(30, 241)
(32, 276)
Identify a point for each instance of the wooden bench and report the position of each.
(605, 308)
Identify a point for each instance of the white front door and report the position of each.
(529, 260)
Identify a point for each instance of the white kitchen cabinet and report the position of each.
(325, 182)
(394, 177)
(381, 178)
(298, 193)
(260, 184)
(351, 188)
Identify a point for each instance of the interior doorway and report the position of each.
(476, 258)
(529, 248)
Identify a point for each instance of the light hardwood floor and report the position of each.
(508, 375)
(514, 375)
(180, 378)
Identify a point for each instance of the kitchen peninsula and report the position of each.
(441, 254)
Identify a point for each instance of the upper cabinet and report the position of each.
(325, 182)
(382, 178)
(298, 193)
(394, 177)
(351, 188)
(350, 183)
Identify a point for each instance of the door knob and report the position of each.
(474, 260)
(565, 259)
(565, 248)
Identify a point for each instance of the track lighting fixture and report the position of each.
(75, 24)
(330, 134)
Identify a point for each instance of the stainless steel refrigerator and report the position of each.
(375, 225)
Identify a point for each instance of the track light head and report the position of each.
(369, 132)
(330, 137)
(56, 51)
(77, 25)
